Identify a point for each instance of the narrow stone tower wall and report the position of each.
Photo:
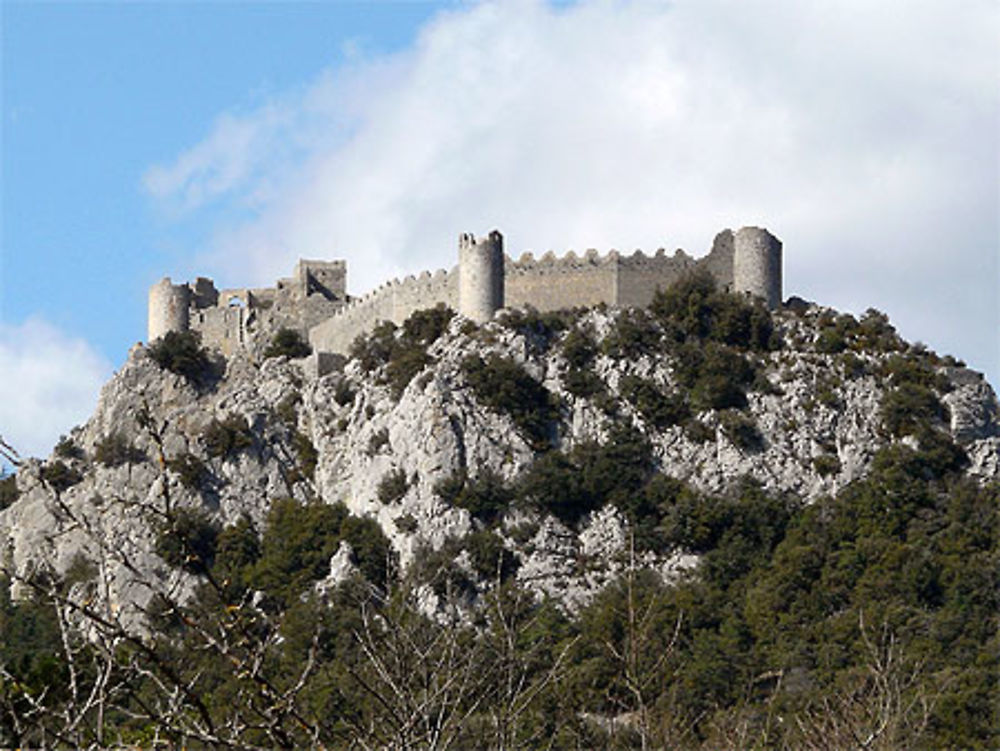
(168, 309)
(480, 276)
(757, 264)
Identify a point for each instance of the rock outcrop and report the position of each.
(336, 438)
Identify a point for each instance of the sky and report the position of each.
(228, 139)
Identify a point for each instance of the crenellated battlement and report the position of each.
(314, 302)
(550, 263)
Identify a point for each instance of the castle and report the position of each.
(315, 303)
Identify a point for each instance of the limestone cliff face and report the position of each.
(817, 429)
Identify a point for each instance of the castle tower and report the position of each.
(480, 276)
(168, 308)
(757, 264)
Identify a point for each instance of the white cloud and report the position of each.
(51, 382)
(864, 134)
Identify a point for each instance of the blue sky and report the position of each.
(95, 93)
(228, 139)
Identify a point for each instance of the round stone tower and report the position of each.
(757, 264)
(480, 276)
(168, 309)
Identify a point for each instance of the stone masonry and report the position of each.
(315, 303)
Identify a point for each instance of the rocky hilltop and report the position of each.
(704, 525)
(801, 410)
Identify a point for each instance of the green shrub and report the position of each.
(31, 654)
(538, 328)
(60, 476)
(831, 341)
(570, 486)
(296, 547)
(191, 470)
(66, 448)
(300, 538)
(827, 396)
(287, 410)
(344, 393)
(694, 310)
(902, 369)
(237, 549)
(657, 408)
(393, 486)
(910, 407)
(438, 570)
(81, 570)
(8, 490)
(226, 437)
(583, 383)
(579, 348)
(715, 375)
(826, 465)
(552, 484)
(745, 519)
(634, 334)
(287, 343)
(406, 523)
(378, 439)
(115, 449)
(372, 552)
(853, 366)
(403, 366)
(741, 430)
(489, 558)
(937, 457)
(306, 454)
(485, 496)
(404, 350)
(182, 353)
(875, 334)
(373, 351)
(424, 327)
(698, 431)
(504, 386)
(188, 540)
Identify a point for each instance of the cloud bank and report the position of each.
(51, 382)
(863, 134)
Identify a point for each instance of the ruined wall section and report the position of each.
(224, 328)
(394, 301)
(719, 261)
(230, 319)
(640, 276)
(551, 283)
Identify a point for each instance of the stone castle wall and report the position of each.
(314, 301)
(231, 319)
(552, 283)
(394, 301)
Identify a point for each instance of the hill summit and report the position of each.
(761, 485)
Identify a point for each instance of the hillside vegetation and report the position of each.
(698, 526)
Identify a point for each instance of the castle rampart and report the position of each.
(394, 301)
(314, 301)
(551, 283)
